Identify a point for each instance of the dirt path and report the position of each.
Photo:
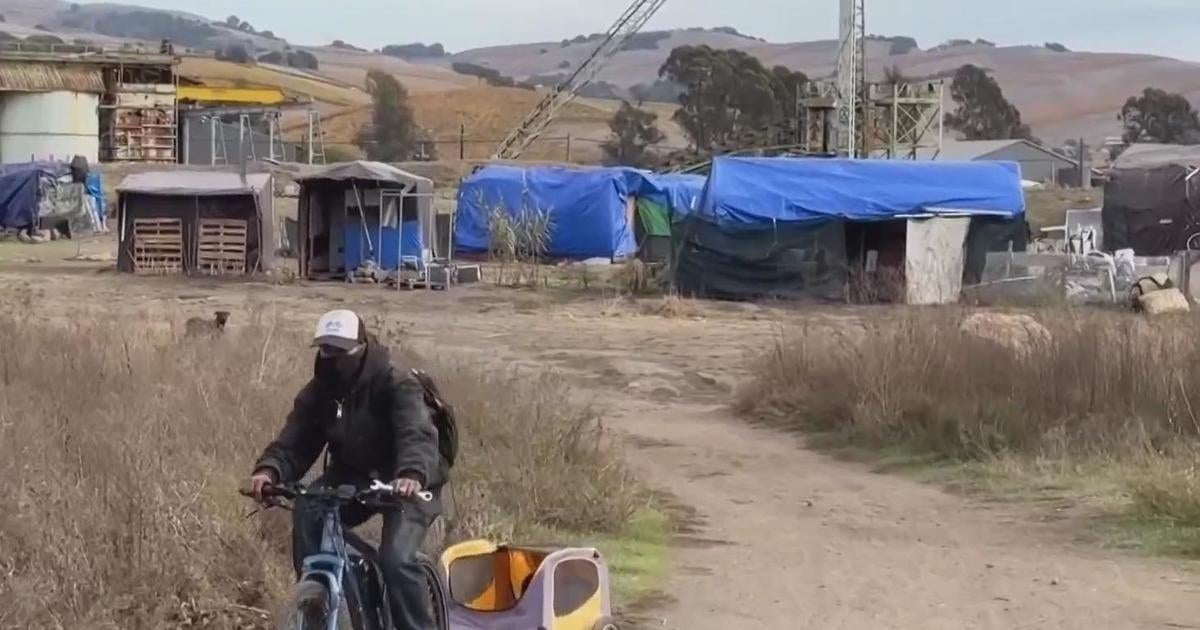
(783, 537)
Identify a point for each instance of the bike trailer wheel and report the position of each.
(605, 623)
(308, 608)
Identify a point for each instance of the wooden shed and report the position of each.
(202, 222)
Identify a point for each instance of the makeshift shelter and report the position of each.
(590, 210)
(196, 222)
(1152, 200)
(796, 228)
(355, 212)
(660, 201)
(35, 194)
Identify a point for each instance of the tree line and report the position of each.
(729, 100)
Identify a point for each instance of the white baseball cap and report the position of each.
(337, 328)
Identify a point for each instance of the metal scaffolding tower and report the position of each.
(626, 26)
(903, 119)
(851, 117)
(851, 76)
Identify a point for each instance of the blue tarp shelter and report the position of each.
(749, 192)
(797, 227)
(590, 209)
(21, 192)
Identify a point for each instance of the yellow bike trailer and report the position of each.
(506, 587)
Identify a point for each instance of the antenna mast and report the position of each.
(851, 77)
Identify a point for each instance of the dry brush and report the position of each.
(121, 453)
(1063, 386)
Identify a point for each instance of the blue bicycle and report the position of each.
(341, 587)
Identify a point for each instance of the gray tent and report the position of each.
(196, 221)
(357, 211)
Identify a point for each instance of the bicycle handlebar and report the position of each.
(339, 494)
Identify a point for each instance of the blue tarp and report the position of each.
(20, 192)
(588, 208)
(95, 190)
(358, 250)
(676, 191)
(752, 192)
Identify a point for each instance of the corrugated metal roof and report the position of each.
(48, 77)
(195, 183)
(968, 150)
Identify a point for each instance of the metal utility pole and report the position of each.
(627, 25)
(851, 76)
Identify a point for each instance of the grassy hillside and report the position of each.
(1061, 94)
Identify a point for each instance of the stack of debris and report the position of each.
(368, 272)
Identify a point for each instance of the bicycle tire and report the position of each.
(308, 609)
(437, 593)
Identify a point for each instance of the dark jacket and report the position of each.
(384, 431)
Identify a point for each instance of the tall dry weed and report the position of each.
(1100, 384)
(121, 451)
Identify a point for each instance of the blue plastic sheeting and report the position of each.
(95, 190)
(752, 192)
(358, 250)
(20, 192)
(676, 191)
(588, 208)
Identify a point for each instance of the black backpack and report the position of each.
(442, 415)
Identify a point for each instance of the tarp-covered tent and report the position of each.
(1152, 200)
(36, 193)
(590, 210)
(196, 221)
(662, 199)
(788, 227)
(358, 211)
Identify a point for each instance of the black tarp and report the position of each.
(1152, 210)
(991, 234)
(813, 262)
(792, 262)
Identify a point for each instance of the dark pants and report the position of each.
(403, 534)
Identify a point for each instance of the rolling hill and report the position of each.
(1061, 95)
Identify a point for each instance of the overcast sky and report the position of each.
(1164, 27)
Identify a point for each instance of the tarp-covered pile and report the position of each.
(34, 193)
(589, 209)
(1152, 200)
(778, 226)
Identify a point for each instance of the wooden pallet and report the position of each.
(157, 246)
(221, 246)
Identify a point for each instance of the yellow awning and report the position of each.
(221, 95)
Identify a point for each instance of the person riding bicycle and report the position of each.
(373, 419)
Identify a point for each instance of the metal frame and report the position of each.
(898, 120)
(427, 225)
(535, 122)
(904, 118)
(247, 118)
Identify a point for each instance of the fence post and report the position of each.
(462, 140)
(568, 147)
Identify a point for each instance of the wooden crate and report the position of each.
(221, 246)
(157, 246)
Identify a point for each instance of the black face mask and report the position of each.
(339, 372)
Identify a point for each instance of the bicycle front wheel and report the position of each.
(437, 593)
(309, 609)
